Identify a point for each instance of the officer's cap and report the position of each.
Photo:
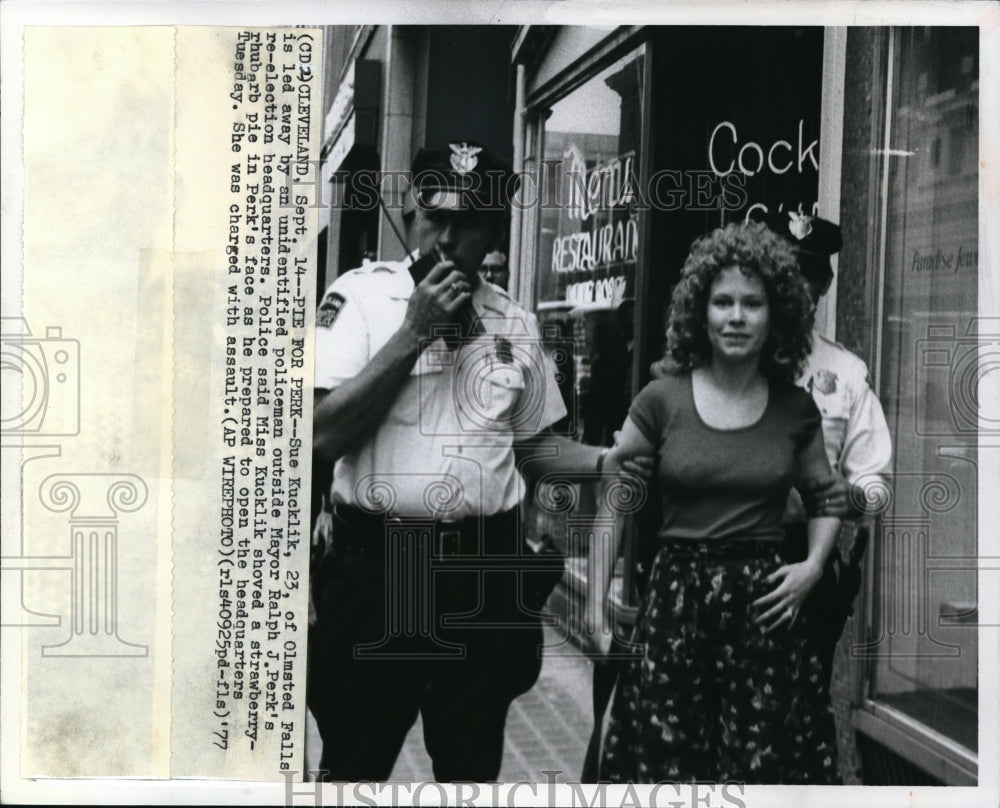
(462, 175)
(815, 240)
(810, 234)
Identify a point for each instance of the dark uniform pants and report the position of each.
(409, 621)
(830, 602)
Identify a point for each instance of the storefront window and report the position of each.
(925, 637)
(589, 239)
(586, 272)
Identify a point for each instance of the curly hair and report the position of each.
(754, 248)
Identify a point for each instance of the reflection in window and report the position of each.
(589, 238)
(925, 638)
(586, 272)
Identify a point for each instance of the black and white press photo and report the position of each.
(531, 403)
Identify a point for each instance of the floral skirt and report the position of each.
(710, 697)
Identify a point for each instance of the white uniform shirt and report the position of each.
(854, 428)
(855, 432)
(444, 449)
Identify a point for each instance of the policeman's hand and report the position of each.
(642, 466)
(437, 298)
(780, 606)
(831, 497)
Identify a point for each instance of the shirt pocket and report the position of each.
(486, 393)
(502, 393)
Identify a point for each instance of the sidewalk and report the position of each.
(547, 728)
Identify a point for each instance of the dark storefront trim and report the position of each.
(930, 751)
(612, 47)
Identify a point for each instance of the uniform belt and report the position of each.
(358, 532)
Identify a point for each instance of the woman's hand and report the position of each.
(780, 606)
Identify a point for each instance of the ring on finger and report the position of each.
(456, 287)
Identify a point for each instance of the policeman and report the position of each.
(433, 396)
(855, 432)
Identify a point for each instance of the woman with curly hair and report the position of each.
(720, 686)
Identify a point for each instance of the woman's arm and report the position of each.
(546, 454)
(794, 581)
(814, 470)
(608, 527)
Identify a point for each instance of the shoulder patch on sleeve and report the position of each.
(329, 309)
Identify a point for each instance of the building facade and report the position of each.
(633, 141)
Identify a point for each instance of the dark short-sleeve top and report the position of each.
(728, 483)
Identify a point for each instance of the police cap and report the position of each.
(809, 233)
(815, 239)
(462, 175)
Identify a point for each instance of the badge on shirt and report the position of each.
(329, 309)
(503, 350)
(825, 381)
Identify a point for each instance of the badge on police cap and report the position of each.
(809, 234)
(799, 225)
(463, 157)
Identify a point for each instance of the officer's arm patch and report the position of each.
(329, 309)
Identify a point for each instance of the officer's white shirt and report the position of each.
(854, 427)
(855, 432)
(444, 449)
